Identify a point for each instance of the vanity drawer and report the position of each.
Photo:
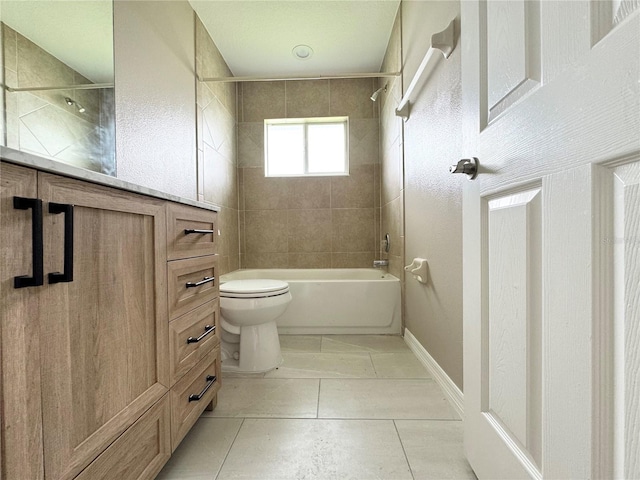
(191, 232)
(191, 395)
(191, 283)
(192, 336)
(140, 452)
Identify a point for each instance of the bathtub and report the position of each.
(335, 301)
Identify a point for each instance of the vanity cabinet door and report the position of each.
(21, 433)
(104, 334)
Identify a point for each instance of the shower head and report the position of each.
(72, 102)
(374, 95)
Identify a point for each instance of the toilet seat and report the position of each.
(261, 288)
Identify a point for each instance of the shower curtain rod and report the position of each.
(300, 77)
(84, 86)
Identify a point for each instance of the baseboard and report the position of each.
(450, 389)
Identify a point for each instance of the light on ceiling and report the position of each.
(302, 52)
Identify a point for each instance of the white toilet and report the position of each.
(248, 313)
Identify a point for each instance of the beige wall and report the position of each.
(41, 122)
(320, 222)
(433, 197)
(216, 140)
(156, 95)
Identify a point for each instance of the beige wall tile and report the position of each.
(310, 192)
(309, 260)
(232, 233)
(352, 260)
(262, 100)
(266, 231)
(9, 40)
(219, 179)
(392, 224)
(223, 264)
(363, 141)
(352, 230)
(355, 190)
(251, 144)
(264, 193)
(351, 97)
(309, 230)
(307, 98)
(391, 173)
(265, 260)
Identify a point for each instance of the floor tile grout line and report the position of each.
(406, 457)
(230, 447)
(318, 401)
(385, 419)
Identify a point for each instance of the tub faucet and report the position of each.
(380, 263)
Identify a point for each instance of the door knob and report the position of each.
(468, 166)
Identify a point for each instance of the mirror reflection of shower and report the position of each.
(71, 103)
(59, 80)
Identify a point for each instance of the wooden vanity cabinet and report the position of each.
(194, 314)
(85, 365)
(84, 354)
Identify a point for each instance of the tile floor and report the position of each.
(358, 407)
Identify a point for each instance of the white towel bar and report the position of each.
(443, 42)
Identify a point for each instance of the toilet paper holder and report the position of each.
(418, 268)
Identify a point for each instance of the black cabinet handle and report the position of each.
(207, 330)
(187, 231)
(67, 275)
(210, 381)
(37, 277)
(201, 282)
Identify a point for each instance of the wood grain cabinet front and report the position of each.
(90, 344)
(191, 395)
(140, 452)
(191, 337)
(191, 232)
(191, 282)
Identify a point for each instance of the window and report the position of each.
(306, 146)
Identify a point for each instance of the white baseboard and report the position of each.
(450, 389)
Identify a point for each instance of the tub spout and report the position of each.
(380, 263)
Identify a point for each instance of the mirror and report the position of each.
(58, 80)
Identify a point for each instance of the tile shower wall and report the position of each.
(41, 122)
(216, 137)
(312, 222)
(391, 156)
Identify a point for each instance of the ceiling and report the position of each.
(256, 38)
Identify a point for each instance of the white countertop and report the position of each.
(52, 166)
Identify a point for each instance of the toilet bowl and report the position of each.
(248, 313)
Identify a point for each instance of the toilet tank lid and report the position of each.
(253, 286)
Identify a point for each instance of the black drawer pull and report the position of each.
(201, 282)
(37, 276)
(207, 330)
(187, 231)
(67, 275)
(210, 381)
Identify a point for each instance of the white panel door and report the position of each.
(551, 93)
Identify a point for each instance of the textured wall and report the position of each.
(41, 122)
(433, 197)
(313, 222)
(156, 95)
(216, 136)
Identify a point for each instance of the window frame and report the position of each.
(305, 122)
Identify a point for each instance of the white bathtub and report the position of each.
(333, 301)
